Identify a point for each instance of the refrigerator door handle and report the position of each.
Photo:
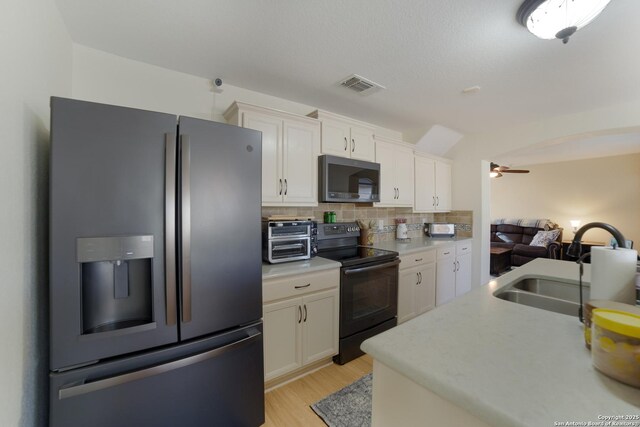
(90, 387)
(170, 227)
(185, 207)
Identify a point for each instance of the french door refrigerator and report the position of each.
(155, 269)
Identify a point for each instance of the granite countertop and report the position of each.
(272, 271)
(506, 363)
(417, 244)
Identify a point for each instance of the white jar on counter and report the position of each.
(401, 229)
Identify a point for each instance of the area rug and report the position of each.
(349, 407)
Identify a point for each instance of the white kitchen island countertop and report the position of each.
(505, 363)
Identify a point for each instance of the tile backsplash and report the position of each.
(351, 212)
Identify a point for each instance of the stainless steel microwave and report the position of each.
(345, 180)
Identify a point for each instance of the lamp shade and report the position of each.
(550, 19)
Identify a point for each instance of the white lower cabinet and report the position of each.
(300, 321)
(417, 285)
(453, 272)
(463, 268)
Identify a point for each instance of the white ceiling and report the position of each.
(424, 51)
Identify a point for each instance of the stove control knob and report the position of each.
(357, 228)
(349, 229)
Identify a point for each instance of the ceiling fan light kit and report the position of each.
(551, 19)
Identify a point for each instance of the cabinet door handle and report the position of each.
(420, 275)
(303, 286)
(437, 201)
(353, 145)
(433, 203)
(305, 313)
(458, 262)
(398, 193)
(286, 187)
(280, 193)
(299, 314)
(454, 266)
(417, 278)
(345, 143)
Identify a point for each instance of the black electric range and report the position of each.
(368, 286)
(339, 242)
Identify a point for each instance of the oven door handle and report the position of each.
(371, 268)
(291, 246)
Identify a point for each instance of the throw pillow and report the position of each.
(543, 238)
(500, 235)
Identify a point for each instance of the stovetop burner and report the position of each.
(339, 242)
(356, 255)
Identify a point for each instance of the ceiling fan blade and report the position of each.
(515, 171)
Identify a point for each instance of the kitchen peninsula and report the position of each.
(480, 360)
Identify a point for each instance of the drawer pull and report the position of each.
(303, 286)
(464, 249)
(419, 259)
(447, 253)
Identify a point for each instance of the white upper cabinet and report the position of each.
(432, 185)
(344, 137)
(290, 148)
(396, 173)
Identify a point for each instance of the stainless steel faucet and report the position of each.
(576, 247)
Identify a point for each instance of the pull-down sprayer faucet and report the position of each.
(576, 247)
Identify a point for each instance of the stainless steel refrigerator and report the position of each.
(155, 269)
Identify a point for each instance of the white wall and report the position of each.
(102, 77)
(605, 189)
(471, 187)
(36, 63)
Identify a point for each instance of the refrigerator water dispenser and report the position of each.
(116, 282)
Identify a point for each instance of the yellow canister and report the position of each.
(615, 345)
(591, 305)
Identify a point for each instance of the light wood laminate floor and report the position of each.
(288, 405)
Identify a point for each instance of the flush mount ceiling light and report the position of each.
(551, 19)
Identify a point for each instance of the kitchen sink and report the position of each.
(546, 294)
(553, 288)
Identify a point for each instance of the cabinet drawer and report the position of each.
(297, 285)
(447, 252)
(463, 248)
(418, 258)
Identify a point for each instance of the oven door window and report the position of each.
(289, 248)
(368, 296)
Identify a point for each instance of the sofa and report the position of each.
(518, 234)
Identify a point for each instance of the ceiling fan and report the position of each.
(496, 170)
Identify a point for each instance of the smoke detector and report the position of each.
(361, 85)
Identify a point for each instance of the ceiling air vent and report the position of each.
(361, 85)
